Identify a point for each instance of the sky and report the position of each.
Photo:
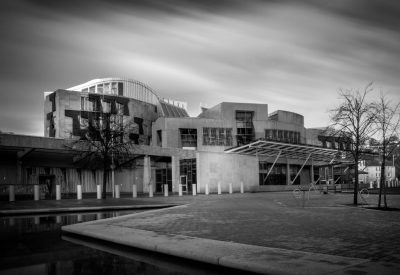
(292, 55)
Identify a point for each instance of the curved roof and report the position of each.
(132, 88)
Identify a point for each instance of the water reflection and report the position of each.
(33, 245)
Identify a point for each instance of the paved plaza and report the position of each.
(326, 224)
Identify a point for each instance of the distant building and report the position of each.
(372, 176)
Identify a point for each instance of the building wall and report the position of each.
(225, 168)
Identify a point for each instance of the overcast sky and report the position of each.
(291, 55)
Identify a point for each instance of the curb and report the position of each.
(243, 257)
(81, 209)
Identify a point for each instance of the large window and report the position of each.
(188, 137)
(277, 175)
(244, 127)
(282, 136)
(217, 136)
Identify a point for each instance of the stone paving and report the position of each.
(327, 224)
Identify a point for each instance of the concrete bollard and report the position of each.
(79, 192)
(99, 216)
(98, 189)
(165, 190)
(11, 192)
(194, 190)
(12, 221)
(219, 188)
(230, 188)
(58, 192)
(79, 217)
(58, 219)
(134, 191)
(117, 191)
(36, 192)
(150, 191)
(241, 187)
(180, 190)
(36, 220)
(207, 191)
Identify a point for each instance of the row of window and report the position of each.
(217, 136)
(112, 88)
(105, 107)
(282, 135)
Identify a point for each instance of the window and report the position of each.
(100, 88)
(105, 106)
(86, 104)
(107, 88)
(217, 136)
(92, 89)
(244, 126)
(277, 175)
(282, 135)
(119, 108)
(188, 137)
(159, 137)
(114, 88)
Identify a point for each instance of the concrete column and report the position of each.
(175, 173)
(150, 190)
(79, 192)
(180, 190)
(146, 173)
(19, 172)
(312, 171)
(219, 188)
(241, 187)
(117, 192)
(230, 188)
(58, 192)
(36, 192)
(194, 190)
(165, 190)
(11, 192)
(98, 191)
(134, 191)
(288, 180)
(206, 189)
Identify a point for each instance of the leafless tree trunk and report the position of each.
(387, 121)
(352, 119)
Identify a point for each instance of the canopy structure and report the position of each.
(319, 156)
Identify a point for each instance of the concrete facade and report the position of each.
(171, 148)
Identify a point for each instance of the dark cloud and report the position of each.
(290, 54)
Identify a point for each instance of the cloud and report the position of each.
(291, 55)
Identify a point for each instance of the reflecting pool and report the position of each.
(35, 245)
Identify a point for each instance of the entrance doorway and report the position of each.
(163, 176)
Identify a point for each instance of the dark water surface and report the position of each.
(35, 245)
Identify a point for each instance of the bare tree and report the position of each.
(387, 121)
(104, 141)
(352, 120)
